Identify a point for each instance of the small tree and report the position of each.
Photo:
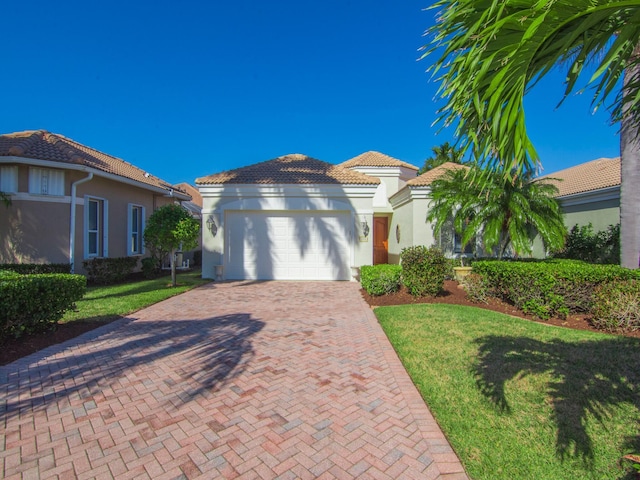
(6, 199)
(443, 154)
(168, 228)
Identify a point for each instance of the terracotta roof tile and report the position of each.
(42, 145)
(593, 175)
(290, 169)
(191, 190)
(376, 159)
(427, 178)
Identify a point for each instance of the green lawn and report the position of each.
(519, 399)
(113, 301)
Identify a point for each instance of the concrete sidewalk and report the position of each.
(231, 380)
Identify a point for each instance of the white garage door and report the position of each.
(287, 246)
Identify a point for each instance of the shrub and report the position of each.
(31, 268)
(150, 267)
(423, 270)
(105, 271)
(617, 306)
(595, 247)
(34, 303)
(477, 287)
(380, 279)
(550, 288)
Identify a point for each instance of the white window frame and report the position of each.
(102, 230)
(9, 178)
(133, 249)
(46, 181)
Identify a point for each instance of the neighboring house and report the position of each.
(590, 193)
(299, 218)
(71, 202)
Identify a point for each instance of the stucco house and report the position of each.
(70, 202)
(590, 193)
(298, 218)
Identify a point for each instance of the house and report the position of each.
(298, 218)
(70, 202)
(589, 193)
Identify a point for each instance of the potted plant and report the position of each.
(462, 271)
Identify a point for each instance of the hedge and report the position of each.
(380, 279)
(423, 270)
(105, 271)
(31, 268)
(550, 288)
(35, 303)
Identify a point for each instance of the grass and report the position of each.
(114, 301)
(519, 399)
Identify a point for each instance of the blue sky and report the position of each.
(186, 89)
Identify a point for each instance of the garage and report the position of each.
(286, 245)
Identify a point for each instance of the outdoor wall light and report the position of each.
(211, 225)
(365, 227)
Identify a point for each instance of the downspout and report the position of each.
(72, 218)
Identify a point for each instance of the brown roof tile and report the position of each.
(290, 169)
(191, 190)
(42, 145)
(376, 159)
(586, 177)
(427, 178)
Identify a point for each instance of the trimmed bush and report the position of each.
(35, 303)
(423, 270)
(595, 247)
(477, 287)
(380, 279)
(617, 306)
(550, 288)
(150, 268)
(31, 268)
(105, 271)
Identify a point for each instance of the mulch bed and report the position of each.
(452, 293)
(455, 295)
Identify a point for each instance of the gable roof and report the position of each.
(376, 159)
(290, 169)
(586, 177)
(196, 198)
(43, 145)
(428, 177)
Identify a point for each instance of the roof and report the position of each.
(376, 159)
(428, 177)
(43, 145)
(290, 169)
(196, 198)
(586, 177)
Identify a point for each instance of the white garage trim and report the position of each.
(288, 245)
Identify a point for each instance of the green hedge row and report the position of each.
(35, 303)
(381, 279)
(105, 271)
(422, 271)
(31, 268)
(550, 288)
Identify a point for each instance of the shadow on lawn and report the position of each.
(206, 354)
(592, 377)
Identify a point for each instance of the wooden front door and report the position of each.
(380, 240)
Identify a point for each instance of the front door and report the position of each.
(380, 240)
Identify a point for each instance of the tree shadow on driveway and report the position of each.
(176, 359)
(588, 380)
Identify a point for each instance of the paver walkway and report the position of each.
(231, 380)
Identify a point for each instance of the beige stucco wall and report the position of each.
(601, 214)
(219, 201)
(35, 228)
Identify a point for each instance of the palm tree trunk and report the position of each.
(630, 182)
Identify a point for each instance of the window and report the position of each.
(9, 178)
(95, 221)
(135, 244)
(45, 181)
(457, 244)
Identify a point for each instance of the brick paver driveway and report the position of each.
(231, 380)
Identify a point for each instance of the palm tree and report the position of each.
(493, 51)
(506, 213)
(442, 154)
